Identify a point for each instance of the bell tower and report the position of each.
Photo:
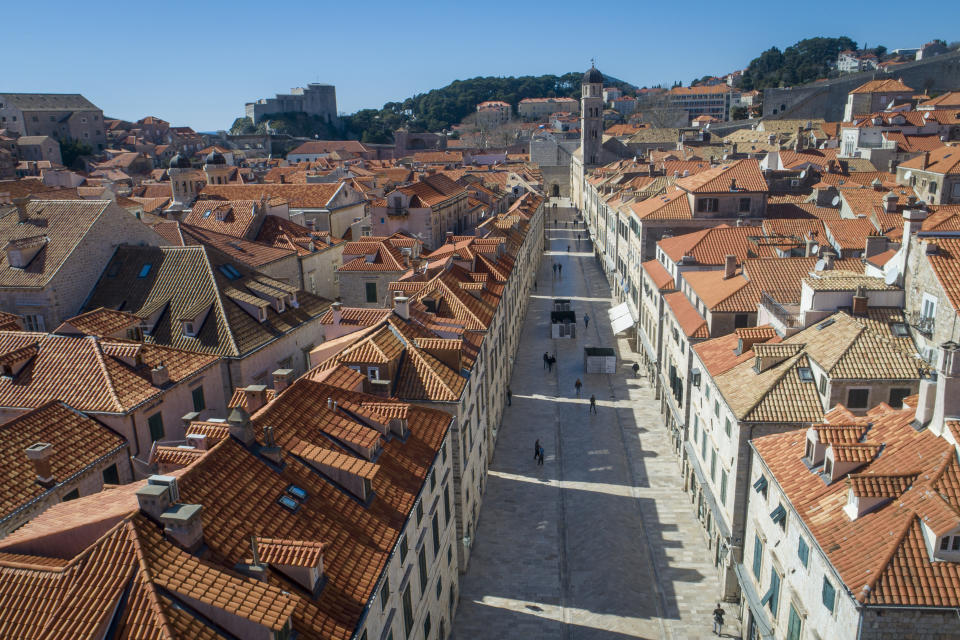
(591, 116)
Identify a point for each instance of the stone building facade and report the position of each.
(315, 100)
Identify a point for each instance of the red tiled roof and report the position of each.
(662, 279)
(746, 173)
(690, 321)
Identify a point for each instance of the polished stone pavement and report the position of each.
(600, 542)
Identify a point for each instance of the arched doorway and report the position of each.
(555, 192)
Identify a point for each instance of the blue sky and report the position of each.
(196, 63)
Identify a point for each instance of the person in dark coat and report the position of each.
(509, 397)
(593, 403)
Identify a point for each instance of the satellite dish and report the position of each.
(908, 175)
(892, 276)
(836, 201)
(821, 263)
(803, 174)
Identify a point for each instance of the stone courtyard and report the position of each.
(600, 542)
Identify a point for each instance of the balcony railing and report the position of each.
(781, 313)
(922, 323)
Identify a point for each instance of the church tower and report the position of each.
(591, 116)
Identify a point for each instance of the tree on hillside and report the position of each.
(799, 63)
(71, 150)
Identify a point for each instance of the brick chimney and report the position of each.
(40, 454)
(255, 396)
(926, 160)
(198, 441)
(860, 302)
(281, 379)
(729, 266)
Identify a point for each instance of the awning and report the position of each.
(620, 317)
(760, 620)
(651, 353)
(611, 265)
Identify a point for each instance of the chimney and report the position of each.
(337, 308)
(912, 222)
(406, 253)
(21, 204)
(40, 454)
(159, 375)
(187, 419)
(270, 450)
(157, 495)
(729, 266)
(182, 525)
(928, 396)
(449, 236)
(860, 302)
(197, 440)
(401, 305)
(810, 244)
(947, 402)
(240, 427)
(733, 184)
(311, 224)
(926, 160)
(281, 379)
(829, 256)
(890, 202)
(255, 396)
(772, 138)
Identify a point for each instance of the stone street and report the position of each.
(600, 542)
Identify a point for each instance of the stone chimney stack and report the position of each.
(182, 524)
(401, 305)
(159, 375)
(255, 396)
(947, 402)
(337, 309)
(240, 427)
(729, 266)
(40, 455)
(281, 379)
(21, 204)
(829, 256)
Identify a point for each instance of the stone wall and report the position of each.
(827, 99)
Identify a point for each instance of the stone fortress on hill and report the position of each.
(316, 100)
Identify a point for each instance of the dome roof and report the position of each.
(179, 161)
(593, 76)
(214, 158)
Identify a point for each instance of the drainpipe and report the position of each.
(136, 438)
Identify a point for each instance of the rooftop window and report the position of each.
(144, 270)
(297, 492)
(899, 329)
(230, 271)
(289, 503)
(826, 323)
(805, 374)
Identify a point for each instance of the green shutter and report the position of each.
(199, 402)
(757, 557)
(803, 551)
(155, 422)
(829, 595)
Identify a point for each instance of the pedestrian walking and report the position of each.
(593, 403)
(586, 321)
(560, 270)
(540, 456)
(536, 449)
(718, 620)
(578, 385)
(554, 270)
(568, 248)
(509, 397)
(550, 363)
(534, 285)
(546, 359)
(636, 369)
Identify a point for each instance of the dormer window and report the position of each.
(188, 329)
(950, 543)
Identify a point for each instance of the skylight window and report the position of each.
(289, 503)
(144, 270)
(229, 270)
(805, 374)
(206, 214)
(297, 492)
(826, 323)
(899, 330)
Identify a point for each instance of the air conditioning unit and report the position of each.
(170, 483)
